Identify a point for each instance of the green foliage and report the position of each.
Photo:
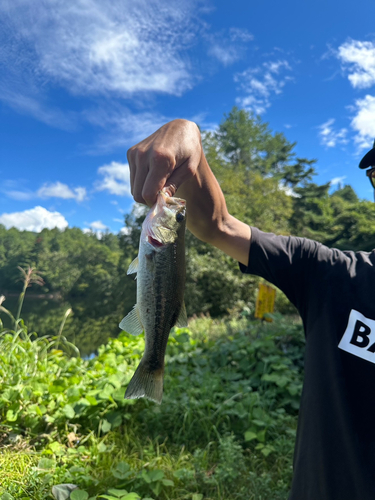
(230, 405)
(265, 184)
(338, 220)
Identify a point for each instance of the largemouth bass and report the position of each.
(160, 268)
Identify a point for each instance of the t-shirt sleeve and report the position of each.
(295, 265)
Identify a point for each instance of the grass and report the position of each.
(224, 431)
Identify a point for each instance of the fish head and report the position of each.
(166, 221)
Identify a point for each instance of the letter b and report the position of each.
(361, 334)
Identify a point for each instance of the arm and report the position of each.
(173, 157)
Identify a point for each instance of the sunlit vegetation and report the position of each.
(227, 424)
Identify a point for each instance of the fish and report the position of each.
(160, 268)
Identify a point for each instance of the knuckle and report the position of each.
(140, 154)
(148, 196)
(130, 154)
(138, 198)
(190, 168)
(161, 157)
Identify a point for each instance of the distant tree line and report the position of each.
(265, 184)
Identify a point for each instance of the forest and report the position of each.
(265, 185)
(226, 427)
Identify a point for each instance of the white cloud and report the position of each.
(125, 230)
(97, 47)
(116, 179)
(34, 219)
(96, 227)
(337, 180)
(60, 190)
(329, 137)
(20, 195)
(228, 48)
(138, 209)
(225, 54)
(48, 190)
(363, 122)
(260, 83)
(122, 126)
(359, 58)
(240, 34)
(288, 190)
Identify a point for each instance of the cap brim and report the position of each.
(368, 160)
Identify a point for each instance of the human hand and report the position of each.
(172, 158)
(165, 159)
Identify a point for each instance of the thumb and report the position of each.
(181, 174)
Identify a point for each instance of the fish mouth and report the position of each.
(171, 200)
(155, 243)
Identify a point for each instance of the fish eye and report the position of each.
(179, 217)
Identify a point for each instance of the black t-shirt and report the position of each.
(334, 292)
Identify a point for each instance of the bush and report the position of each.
(225, 429)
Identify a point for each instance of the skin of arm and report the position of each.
(173, 158)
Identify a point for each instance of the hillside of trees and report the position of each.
(265, 184)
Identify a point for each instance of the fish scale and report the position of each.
(160, 268)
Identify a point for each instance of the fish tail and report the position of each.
(146, 383)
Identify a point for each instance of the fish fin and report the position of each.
(132, 322)
(133, 268)
(146, 384)
(182, 318)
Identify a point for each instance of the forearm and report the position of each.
(208, 218)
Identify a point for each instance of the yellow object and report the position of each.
(265, 301)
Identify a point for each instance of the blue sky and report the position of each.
(82, 81)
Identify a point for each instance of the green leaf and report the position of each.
(131, 496)
(197, 496)
(155, 475)
(261, 436)
(56, 447)
(146, 477)
(115, 419)
(155, 487)
(102, 447)
(12, 416)
(119, 394)
(106, 426)
(117, 493)
(168, 482)
(63, 491)
(267, 450)
(122, 470)
(79, 495)
(250, 435)
(6, 496)
(93, 401)
(46, 463)
(259, 423)
(68, 411)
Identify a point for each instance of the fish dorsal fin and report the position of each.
(182, 318)
(133, 268)
(132, 322)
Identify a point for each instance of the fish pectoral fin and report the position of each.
(182, 318)
(133, 268)
(132, 322)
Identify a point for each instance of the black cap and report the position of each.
(369, 159)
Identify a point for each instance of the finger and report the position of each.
(141, 173)
(131, 163)
(162, 165)
(179, 176)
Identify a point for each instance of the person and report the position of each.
(334, 292)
